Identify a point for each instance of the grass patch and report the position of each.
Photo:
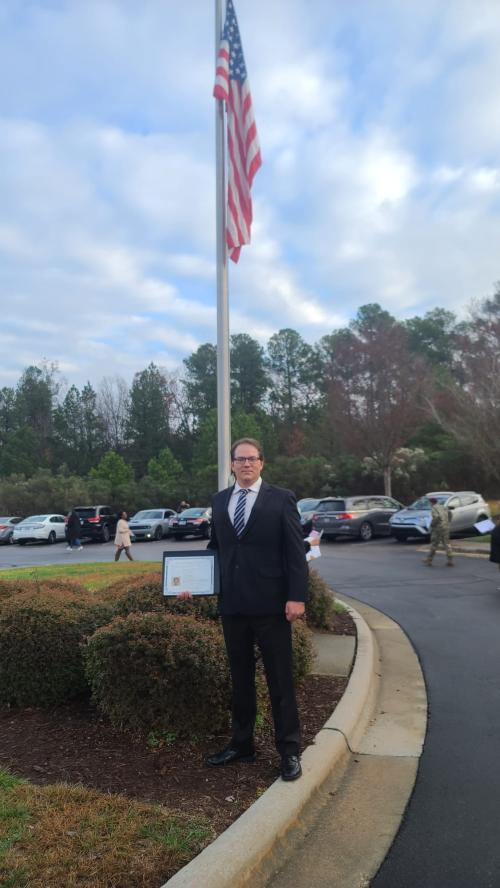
(93, 576)
(73, 836)
(13, 817)
(483, 540)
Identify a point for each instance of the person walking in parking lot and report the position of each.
(122, 538)
(440, 532)
(73, 528)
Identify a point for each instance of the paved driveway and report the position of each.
(40, 554)
(449, 838)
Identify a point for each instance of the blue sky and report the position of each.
(379, 125)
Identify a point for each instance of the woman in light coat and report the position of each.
(122, 537)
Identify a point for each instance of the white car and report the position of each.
(49, 528)
(465, 508)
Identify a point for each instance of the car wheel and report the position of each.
(365, 531)
(11, 539)
(206, 533)
(157, 536)
(106, 536)
(51, 538)
(177, 537)
(22, 542)
(401, 539)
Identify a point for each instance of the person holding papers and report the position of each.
(264, 579)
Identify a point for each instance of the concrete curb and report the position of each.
(471, 550)
(235, 858)
(459, 550)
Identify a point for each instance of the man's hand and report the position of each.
(185, 595)
(294, 610)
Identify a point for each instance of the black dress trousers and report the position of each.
(273, 634)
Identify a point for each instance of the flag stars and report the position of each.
(237, 68)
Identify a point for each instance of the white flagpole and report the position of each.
(223, 383)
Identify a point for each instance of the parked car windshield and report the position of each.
(35, 518)
(306, 505)
(423, 502)
(85, 512)
(192, 513)
(147, 513)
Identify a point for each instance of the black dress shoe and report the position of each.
(290, 767)
(229, 755)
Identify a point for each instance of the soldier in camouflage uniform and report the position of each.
(440, 532)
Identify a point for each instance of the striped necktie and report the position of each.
(239, 512)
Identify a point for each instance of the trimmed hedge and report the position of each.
(303, 652)
(131, 594)
(25, 584)
(44, 623)
(143, 594)
(320, 608)
(41, 631)
(160, 672)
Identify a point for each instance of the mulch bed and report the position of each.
(75, 743)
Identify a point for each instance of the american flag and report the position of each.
(231, 87)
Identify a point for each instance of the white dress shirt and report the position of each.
(249, 501)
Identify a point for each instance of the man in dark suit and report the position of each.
(257, 533)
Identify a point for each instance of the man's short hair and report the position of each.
(252, 441)
(433, 499)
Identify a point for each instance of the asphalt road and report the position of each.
(40, 554)
(449, 837)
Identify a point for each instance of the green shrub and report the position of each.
(320, 608)
(143, 594)
(31, 584)
(303, 653)
(41, 631)
(200, 606)
(134, 594)
(6, 590)
(160, 672)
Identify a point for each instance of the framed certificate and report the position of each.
(192, 571)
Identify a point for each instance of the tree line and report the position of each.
(378, 405)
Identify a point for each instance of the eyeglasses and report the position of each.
(246, 459)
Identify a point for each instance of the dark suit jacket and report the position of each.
(266, 567)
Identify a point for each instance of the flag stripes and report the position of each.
(244, 158)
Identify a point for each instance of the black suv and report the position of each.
(97, 522)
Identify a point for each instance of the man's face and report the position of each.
(248, 471)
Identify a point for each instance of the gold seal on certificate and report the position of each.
(196, 572)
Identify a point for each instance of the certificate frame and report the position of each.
(198, 567)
